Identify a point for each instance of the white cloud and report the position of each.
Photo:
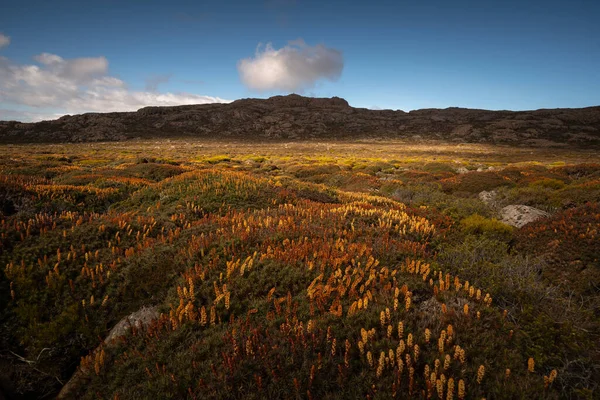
(48, 59)
(80, 70)
(4, 40)
(294, 67)
(25, 116)
(58, 86)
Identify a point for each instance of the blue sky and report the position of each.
(387, 54)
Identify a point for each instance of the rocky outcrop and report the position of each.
(139, 320)
(520, 215)
(296, 117)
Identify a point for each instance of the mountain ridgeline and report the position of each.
(295, 117)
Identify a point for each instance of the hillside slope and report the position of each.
(295, 117)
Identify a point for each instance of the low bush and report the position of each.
(430, 195)
(478, 225)
(475, 182)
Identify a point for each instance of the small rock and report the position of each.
(520, 215)
(488, 197)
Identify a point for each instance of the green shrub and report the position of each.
(257, 159)
(429, 194)
(478, 225)
(475, 182)
(548, 183)
(153, 171)
(534, 196)
(217, 159)
(511, 279)
(145, 160)
(319, 170)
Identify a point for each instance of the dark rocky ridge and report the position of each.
(295, 117)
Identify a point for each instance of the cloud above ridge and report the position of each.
(54, 86)
(295, 67)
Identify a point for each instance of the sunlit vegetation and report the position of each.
(317, 273)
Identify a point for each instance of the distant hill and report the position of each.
(295, 117)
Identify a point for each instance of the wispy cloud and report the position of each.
(294, 67)
(55, 86)
(152, 82)
(4, 40)
(192, 81)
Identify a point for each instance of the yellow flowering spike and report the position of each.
(370, 358)
(450, 393)
(447, 361)
(381, 364)
(461, 389)
(531, 365)
(440, 388)
(400, 330)
(480, 374)
(401, 346)
(213, 315)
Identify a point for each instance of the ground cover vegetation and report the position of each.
(298, 270)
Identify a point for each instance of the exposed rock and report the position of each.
(488, 197)
(462, 130)
(297, 117)
(520, 215)
(139, 319)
